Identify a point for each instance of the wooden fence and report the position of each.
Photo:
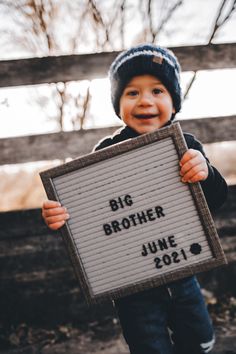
(37, 280)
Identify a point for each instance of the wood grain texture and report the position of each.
(77, 143)
(90, 66)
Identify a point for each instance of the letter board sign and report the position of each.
(133, 224)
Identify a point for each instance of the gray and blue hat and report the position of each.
(146, 59)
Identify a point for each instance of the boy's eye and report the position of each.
(132, 93)
(156, 91)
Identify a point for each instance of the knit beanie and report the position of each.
(146, 59)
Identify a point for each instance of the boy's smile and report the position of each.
(145, 104)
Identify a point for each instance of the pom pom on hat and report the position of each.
(146, 59)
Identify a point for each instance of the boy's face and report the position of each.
(146, 104)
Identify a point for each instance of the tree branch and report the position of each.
(189, 86)
(218, 23)
(167, 17)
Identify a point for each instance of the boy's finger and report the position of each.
(201, 176)
(188, 155)
(194, 175)
(53, 219)
(51, 204)
(187, 176)
(54, 211)
(56, 225)
(190, 164)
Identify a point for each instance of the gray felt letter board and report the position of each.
(133, 224)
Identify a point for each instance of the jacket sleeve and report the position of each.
(214, 187)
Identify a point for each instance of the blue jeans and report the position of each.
(169, 319)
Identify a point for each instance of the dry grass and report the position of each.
(20, 190)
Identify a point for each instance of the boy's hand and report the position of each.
(193, 166)
(54, 214)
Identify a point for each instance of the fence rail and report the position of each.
(76, 143)
(89, 66)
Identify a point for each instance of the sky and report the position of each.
(26, 110)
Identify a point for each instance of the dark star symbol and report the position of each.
(195, 248)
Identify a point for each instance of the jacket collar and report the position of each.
(128, 132)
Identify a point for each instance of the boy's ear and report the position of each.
(173, 110)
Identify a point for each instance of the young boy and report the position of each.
(146, 95)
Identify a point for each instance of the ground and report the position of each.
(67, 339)
(104, 336)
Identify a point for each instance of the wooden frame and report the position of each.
(127, 255)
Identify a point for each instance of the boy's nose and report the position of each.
(145, 99)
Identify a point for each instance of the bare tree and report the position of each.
(155, 30)
(80, 119)
(222, 17)
(97, 25)
(155, 16)
(35, 29)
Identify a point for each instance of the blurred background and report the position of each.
(41, 28)
(55, 105)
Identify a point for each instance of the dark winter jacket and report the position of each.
(214, 187)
